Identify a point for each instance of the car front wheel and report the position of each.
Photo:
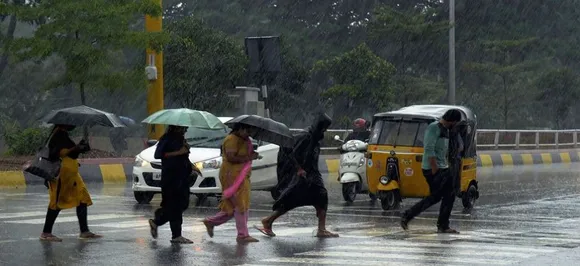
(143, 197)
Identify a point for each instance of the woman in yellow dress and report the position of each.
(68, 190)
(236, 152)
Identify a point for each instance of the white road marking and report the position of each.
(475, 246)
(413, 257)
(9, 215)
(74, 218)
(455, 251)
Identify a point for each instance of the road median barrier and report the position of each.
(108, 171)
(330, 163)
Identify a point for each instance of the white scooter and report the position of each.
(352, 171)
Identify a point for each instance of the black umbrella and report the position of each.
(265, 129)
(83, 116)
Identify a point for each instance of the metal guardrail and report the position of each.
(498, 139)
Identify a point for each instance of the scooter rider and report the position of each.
(360, 131)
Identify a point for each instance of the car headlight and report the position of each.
(384, 180)
(140, 162)
(209, 164)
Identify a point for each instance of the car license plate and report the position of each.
(157, 177)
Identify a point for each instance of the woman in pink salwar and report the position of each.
(235, 171)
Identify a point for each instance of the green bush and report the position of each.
(26, 141)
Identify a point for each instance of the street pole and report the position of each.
(451, 89)
(155, 88)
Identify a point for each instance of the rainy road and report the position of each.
(526, 215)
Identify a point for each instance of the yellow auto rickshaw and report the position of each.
(395, 153)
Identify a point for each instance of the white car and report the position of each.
(205, 154)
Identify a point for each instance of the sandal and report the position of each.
(49, 238)
(208, 227)
(263, 230)
(89, 235)
(153, 228)
(326, 234)
(247, 239)
(447, 231)
(181, 240)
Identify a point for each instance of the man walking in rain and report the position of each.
(436, 171)
(306, 187)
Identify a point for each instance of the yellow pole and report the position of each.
(155, 88)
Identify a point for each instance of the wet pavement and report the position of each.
(526, 215)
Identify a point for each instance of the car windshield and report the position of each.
(213, 139)
(205, 138)
(399, 132)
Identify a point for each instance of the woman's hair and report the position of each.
(172, 128)
(239, 126)
(65, 127)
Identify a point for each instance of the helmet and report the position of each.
(360, 123)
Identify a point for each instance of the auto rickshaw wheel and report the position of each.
(349, 191)
(469, 197)
(201, 197)
(390, 200)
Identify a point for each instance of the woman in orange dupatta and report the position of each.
(235, 171)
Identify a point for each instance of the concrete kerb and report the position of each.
(101, 171)
(119, 170)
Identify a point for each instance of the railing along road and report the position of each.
(500, 139)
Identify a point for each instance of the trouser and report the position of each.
(441, 188)
(81, 215)
(174, 201)
(240, 217)
(172, 215)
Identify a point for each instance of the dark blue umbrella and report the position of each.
(265, 129)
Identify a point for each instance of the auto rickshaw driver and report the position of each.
(395, 154)
(436, 171)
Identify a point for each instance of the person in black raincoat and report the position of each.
(176, 168)
(305, 186)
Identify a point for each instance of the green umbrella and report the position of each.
(186, 118)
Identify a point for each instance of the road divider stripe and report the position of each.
(546, 158)
(485, 160)
(113, 173)
(507, 159)
(332, 165)
(12, 179)
(565, 157)
(527, 159)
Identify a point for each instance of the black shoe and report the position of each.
(447, 231)
(404, 223)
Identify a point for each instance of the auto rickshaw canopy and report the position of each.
(428, 112)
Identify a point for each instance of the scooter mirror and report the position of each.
(336, 137)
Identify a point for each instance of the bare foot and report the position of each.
(266, 228)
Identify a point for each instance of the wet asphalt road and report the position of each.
(528, 215)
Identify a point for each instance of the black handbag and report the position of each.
(43, 166)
